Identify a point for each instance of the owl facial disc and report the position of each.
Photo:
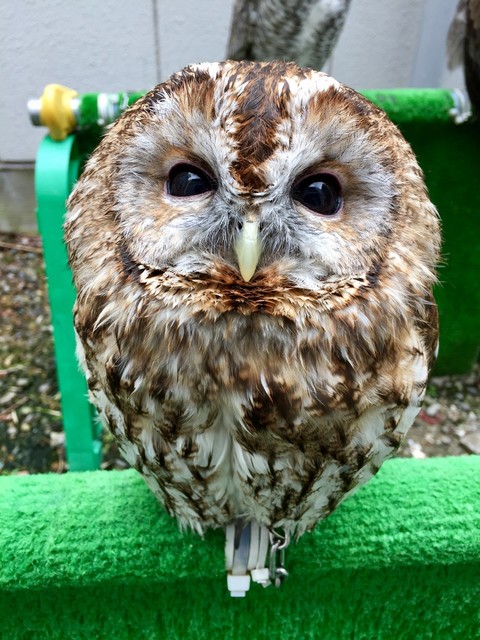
(248, 248)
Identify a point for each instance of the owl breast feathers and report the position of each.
(254, 252)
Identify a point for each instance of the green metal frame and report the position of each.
(57, 168)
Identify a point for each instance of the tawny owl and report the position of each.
(301, 30)
(254, 252)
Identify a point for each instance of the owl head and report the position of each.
(260, 171)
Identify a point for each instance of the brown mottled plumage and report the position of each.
(271, 396)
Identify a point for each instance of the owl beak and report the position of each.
(248, 248)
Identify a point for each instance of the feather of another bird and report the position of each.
(463, 46)
(456, 36)
(304, 31)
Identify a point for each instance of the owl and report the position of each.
(254, 251)
(301, 30)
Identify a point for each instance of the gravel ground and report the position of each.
(31, 437)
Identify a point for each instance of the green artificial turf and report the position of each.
(414, 105)
(93, 555)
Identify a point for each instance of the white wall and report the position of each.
(86, 45)
(117, 45)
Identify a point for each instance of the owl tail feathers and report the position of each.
(247, 545)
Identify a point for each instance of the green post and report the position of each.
(57, 167)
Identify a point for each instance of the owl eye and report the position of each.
(320, 193)
(185, 180)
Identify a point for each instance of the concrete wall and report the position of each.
(118, 44)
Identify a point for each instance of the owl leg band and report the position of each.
(246, 547)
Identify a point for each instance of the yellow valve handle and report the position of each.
(56, 111)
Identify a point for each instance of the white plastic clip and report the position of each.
(462, 109)
(261, 576)
(238, 585)
(246, 548)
